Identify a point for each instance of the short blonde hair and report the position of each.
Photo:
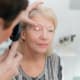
(46, 12)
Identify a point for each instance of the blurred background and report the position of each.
(67, 38)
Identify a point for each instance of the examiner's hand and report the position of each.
(24, 16)
(9, 67)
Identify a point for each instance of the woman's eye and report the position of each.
(50, 30)
(36, 28)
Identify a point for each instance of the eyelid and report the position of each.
(51, 29)
(37, 28)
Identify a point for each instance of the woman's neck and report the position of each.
(32, 63)
(31, 56)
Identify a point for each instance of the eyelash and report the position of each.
(50, 30)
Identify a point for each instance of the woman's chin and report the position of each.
(42, 51)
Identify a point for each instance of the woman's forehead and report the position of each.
(43, 20)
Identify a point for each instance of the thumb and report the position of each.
(13, 49)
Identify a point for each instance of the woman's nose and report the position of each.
(44, 34)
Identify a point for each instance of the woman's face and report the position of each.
(38, 38)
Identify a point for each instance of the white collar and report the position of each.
(5, 45)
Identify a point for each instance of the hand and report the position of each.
(10, 66)
(24, 16)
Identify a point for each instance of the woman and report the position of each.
(12, 12)
(38, 62)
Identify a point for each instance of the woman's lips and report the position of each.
(43, 45)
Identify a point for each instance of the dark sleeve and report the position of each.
(59, 71)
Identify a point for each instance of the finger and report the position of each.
(13, 49)
(30, 21)
(30, 8)
(17, 72)
(18, 58)
(34, 5)
(13, 71)
(27, 12)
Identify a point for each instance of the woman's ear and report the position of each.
(23, 35)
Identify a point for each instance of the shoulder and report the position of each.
(54, 57)
(55, 65)
(54, 60)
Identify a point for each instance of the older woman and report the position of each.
(38, 62)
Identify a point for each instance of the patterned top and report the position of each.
(52, 70)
